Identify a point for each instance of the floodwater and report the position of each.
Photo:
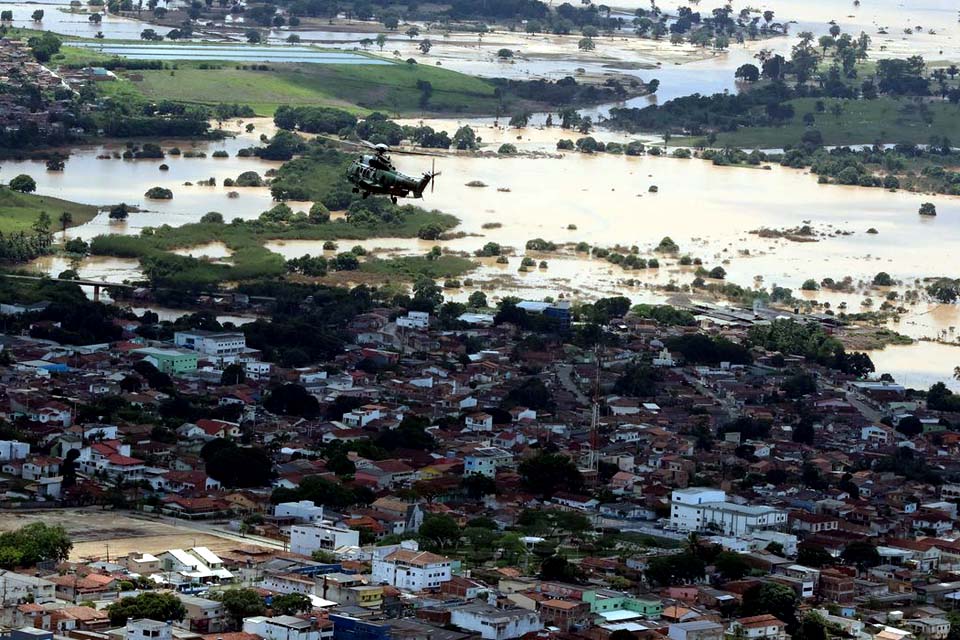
(58, 19)
(235, 53)
(90, 180)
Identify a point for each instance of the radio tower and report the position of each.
(595, 416)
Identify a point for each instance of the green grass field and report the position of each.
(18, 211)
(886, 120)
(359, 88)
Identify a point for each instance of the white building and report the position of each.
(17, 587)
(217, 344)
(307, 538)
(283, 628)
(701, 509)
(485, 461)
(304, 511)
(414, 320)
(146, 629)
(686, 506)
(13, 450)
(196, 565)
(412, 570)
(493, 623)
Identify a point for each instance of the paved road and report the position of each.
(565, 376)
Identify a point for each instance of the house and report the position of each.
(493, 623)
(169, 361)
(931, 628)
(762, 627)
(307, 538)
(700, 509)
(564, 614)
(197, 565)
(485, 461)
(18, 587)
(203, 615)
(411, 512)
(284, 628)
(478, 421)
(412, 570)
(145, 629)
(695, 630)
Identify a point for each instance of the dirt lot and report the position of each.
(93, 530)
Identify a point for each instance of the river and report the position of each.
(708, 210)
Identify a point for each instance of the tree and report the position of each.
(41, 226)
(637, 379)
(292, 400)
(23, 183)
(770, 598)
(440, 531)
(119, 211)
(477, 300)
(381, 40)
(812, 627)
(730, 565)
(233, 374)
(34, 543)
(253, 36)
(152, 605)
(519, 120)
(240, 604)
(547, 473)
(412, 32)
(65, 219)
(681, 568)
(747, 72)
(586, 44)
(236, 466)
(37, 16)
(560, 569)
(289, 604)
(812, 555)
(425, 46)
(861, 554)
(926, 209)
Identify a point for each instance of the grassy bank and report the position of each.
(887, 120)
(251, 260)
(359, 88)
(18, 211)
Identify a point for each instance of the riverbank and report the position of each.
(20, 211)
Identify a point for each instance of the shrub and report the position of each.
(159, 193)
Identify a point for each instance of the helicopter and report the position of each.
(375, 173)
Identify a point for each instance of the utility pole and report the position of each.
(595, 416)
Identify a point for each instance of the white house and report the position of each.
(307, 538)
(146, 629)
(283, 628)
(412, 570)
(479, 421)
(362, 416)
(414, 320)
(493, 623)
(486, 461)
(17, 587)
(13, 450)
(304, 511)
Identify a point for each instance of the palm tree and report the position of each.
(66, 219)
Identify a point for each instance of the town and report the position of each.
(535, 470)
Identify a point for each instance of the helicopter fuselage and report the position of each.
(375, 174)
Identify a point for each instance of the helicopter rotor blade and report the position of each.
(407, 152)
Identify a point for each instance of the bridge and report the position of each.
(100, 284)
